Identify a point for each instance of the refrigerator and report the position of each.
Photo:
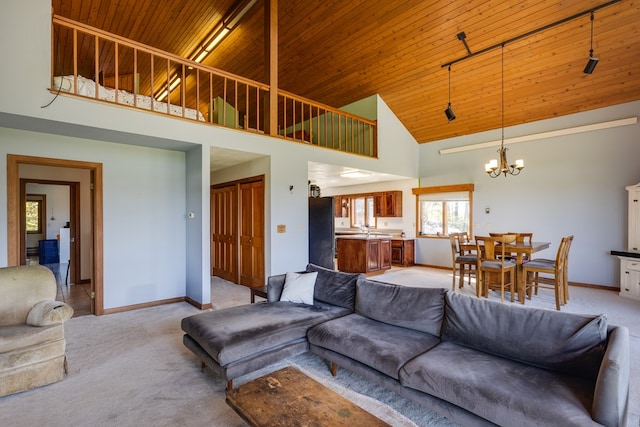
(322, 232)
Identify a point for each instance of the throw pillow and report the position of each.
(299, 287)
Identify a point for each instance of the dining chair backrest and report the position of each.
(493, 248)
(455, 248)
(523, 237)
(463, 236)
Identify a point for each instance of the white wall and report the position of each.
(570, 185)
(144, 212)
(198, 226)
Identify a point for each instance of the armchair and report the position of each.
(32, 344)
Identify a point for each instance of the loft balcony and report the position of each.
(91, 63)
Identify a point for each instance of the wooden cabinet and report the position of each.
(363, 255)
(387, 204)
(403, 252)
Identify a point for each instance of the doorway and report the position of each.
(15, 212)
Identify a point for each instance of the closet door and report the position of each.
(224, 225)
(252, 233)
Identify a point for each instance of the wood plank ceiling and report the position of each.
(337, 52)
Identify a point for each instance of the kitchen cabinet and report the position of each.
(341, 206)
(387, 204)
(369, 255)
(403, 252)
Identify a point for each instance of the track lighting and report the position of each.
(591, 65)
(449, 111)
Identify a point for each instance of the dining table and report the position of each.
(520, 250)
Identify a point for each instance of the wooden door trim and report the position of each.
(13, 214)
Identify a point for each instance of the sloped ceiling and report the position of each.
(337, 52)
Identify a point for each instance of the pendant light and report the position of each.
(496, 167)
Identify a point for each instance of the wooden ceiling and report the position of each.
(337, 52)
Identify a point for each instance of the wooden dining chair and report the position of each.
(554, 273)
(522, 238)
(494, 268)
(463, 263)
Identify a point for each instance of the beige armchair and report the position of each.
(32, 344)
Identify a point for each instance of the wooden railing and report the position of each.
(92, 63)
(307, 121)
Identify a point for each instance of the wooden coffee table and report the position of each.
(290, 398)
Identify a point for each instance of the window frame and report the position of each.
(352, 209)
(40, 199)
(456, 188)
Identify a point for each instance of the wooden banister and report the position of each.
(203, 90)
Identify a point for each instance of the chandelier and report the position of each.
(496, 167)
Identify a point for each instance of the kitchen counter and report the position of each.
(363, 254)
(364, 236)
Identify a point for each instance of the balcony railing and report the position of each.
(92, 63)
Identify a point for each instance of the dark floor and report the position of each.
(77, 296)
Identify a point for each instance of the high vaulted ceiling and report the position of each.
(337, 52)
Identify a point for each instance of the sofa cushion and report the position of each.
(503, 391)
(335, 287)
(299, 287)
(234, 333)
(565, 342)
(421, 309)
(380, 346)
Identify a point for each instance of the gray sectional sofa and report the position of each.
(474, 361)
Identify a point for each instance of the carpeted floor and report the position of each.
(131, 369)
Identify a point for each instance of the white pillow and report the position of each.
(299, 287)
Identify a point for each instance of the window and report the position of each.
(33, 216)
(444, 210)
(362, 214)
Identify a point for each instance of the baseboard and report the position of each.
(143, 305)
(576, 284)
(439, 267)
(197, 304)
(592, 286)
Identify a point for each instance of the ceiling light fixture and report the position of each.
(493, 168)
(449, 111)
(591, 64)
(221, 30)
(462, 36)
(355, 174)
(175, 82)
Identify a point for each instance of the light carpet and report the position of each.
(131, 369)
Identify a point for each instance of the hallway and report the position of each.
(77, 296)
